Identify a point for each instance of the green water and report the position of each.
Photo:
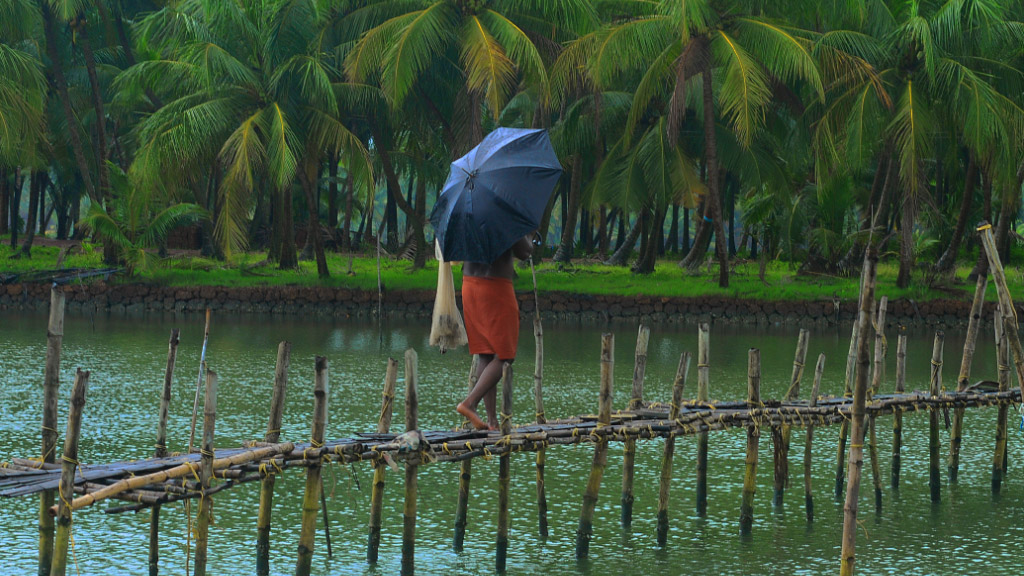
(970, 532)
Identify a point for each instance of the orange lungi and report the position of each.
(492, 316)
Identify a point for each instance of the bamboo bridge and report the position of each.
(69, 487)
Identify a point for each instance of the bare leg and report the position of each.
(489, 371)
(491, 403)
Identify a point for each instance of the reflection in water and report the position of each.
(969, 532)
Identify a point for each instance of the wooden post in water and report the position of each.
(808, 494)
(844, 428)
(69, 462)
(51, 392)
(273, 435)
(877, 376)
(411, 468)
(311, 499)
(504, 468)
(703, 384)
(629, 445)
(1006, 308)
(860, 392)
(962, 381)
(604, 418)
(897, 414)
(753, 436)
(538, 397)
(670, 444)
(161, 450)
(781, 434)
(205, 512)
(379, 467)
(934, 480)
(1003, 363)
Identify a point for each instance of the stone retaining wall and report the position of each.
(339, 302)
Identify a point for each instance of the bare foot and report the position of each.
(492, 428)
(472, 416)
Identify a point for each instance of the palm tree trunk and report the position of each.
(686, 229)
(332, 193)
(308, 179)
(565, 247)
(673, 231)
(714, 198)
(622, 254)
(906, 244)
(982, 264)
(346, 237)
(649, 257)
(15, 207)
(419, 232)
(732, 216)
(948, 260)
(82, 30)
(701, 238)
(5, 202)
(35, 181)
(61, 85)
(605, 235)
(877, 209)
(620, 236)
(288, 259)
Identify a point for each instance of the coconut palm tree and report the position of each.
(242, 81)
(743, 56)
(909, 75)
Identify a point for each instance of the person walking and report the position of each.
(492, 326)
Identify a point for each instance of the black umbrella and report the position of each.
(495, 195)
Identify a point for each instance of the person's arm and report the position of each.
(523, 248)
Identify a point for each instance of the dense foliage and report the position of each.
(791, 130)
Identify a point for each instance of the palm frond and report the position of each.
(744, 90)
(488, 70)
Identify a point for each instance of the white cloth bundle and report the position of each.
(446, 330)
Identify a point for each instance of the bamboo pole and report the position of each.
(753, 436)
(1003, 363)
(877, 376)
(819, 368)
(934, 481)
(161, 450)
(962, 381)
(860, 390)
(51, 392)
(703, 384)
(844, 428)
(781, 435)
(670, 443)
(504, 469)
(311, 500)
(180, 471)
(69, 462)
(629, 446)
(204, 513)
(1006, 307)
(897, 415)
(466, 472)
(377, 495)
(273, 435)
(538, 396)
(604, 416)
(411, 468)
(199, 383)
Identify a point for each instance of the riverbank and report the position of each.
(585, 291)
(309, 301)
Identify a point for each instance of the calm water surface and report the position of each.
(970, 532)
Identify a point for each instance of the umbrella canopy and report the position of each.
(495, 195)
